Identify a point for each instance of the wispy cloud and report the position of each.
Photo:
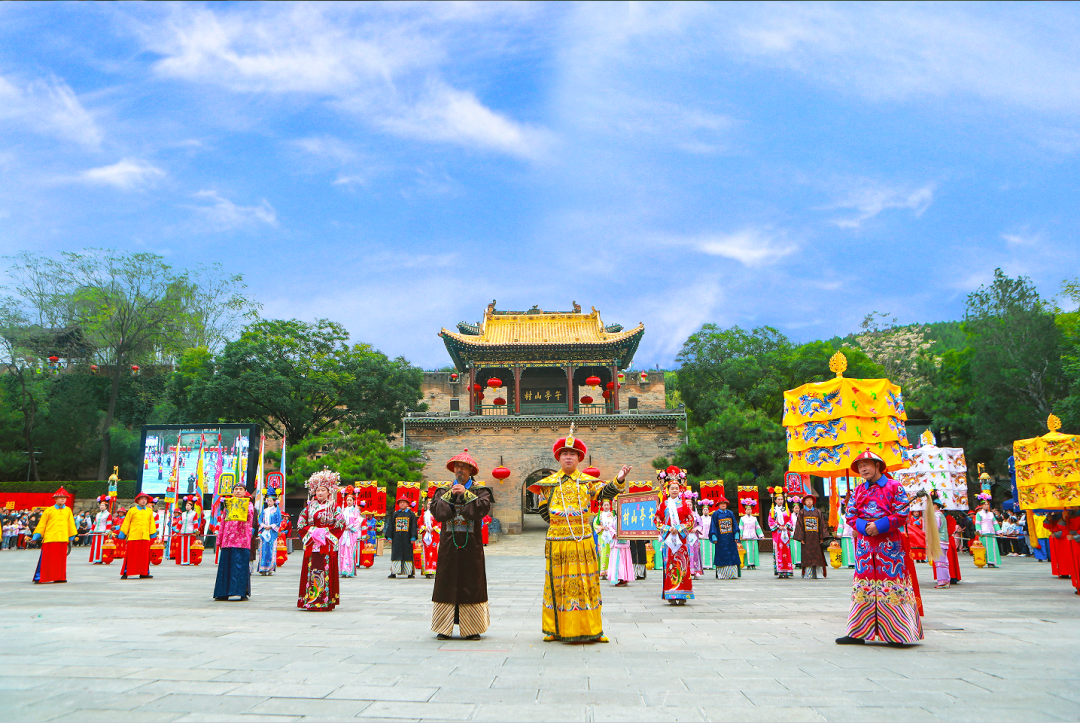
(869, 199)
(128, 174)
(383, 67)
(50, 106)
(1022, 238)
(226, 215)
(751, 247)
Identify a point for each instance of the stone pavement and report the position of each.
(1000, 646)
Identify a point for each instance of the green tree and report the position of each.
(356, 456)
(125, 309)
(1068, 323)
(1015, 362)
(297, 379)
(738, 444)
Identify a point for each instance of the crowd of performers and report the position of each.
(582, 547)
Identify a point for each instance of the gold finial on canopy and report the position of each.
(838, 364)
(927, 437)
(1053, 423)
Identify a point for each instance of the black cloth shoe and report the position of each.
(411, 576)
(146, 577)
(848, 640)
(472, 637)
(123, 577)
(895, 645)
(440, 636)
(391, 576)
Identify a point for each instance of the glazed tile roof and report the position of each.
(542, 331)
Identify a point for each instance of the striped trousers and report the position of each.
(470, 619)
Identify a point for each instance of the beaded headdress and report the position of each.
(323, 478)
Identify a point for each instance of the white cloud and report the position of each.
(225, 214)
(1022, 238)
(380, 64)
(328, 147)
(447, 114)
(869, 199)
(127, 174)
(751, 246)
(50, 106)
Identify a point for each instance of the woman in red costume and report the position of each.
(674, 519)
(320, 523)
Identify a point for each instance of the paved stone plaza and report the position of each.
(1001, 646)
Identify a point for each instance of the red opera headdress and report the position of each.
(465, 458)
(722, 499)
(570, 442)
(60, 493)
(323, 478)
(867, 454)
(103, 498)
(142, 495)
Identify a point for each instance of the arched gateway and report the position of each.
(523, 377)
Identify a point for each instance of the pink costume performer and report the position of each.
(693, 538)
(620, 567)
(883, 603)
(781, 525)
(347, 543)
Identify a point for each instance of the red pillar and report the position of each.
(517, 389)
(570, 388)
(615, 387)
(472, 394)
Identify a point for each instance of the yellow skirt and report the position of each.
(572, 591)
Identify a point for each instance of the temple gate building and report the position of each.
(522, 378)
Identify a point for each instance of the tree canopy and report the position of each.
(355, 455)
(298, 379)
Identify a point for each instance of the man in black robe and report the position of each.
(401, 531)
(460, 595)
(812, 530)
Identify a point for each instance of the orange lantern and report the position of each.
(108, 551)
(282, 551)
(157, 552)
(417, 553)
(196, 552)
(367, 556)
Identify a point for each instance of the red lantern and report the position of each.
(157, 552)
(593, 381)
(454, 376)
(367, 556)
(94, 368)
(54, 359)
(622, 378)
(494, 382)
(586, 400)
(644, 376)
(480, 396)
(476, 388)
(418, 560)
(499, 401)
(134, 368)
(196, 552)
(108, 551)
(607, 394)
(500, 473)
(281, 551)
(592, 472)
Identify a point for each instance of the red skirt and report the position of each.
(318, 580)
(182, 551)
(96, 543)
(137, 560)
(678, 583)
(52, 565)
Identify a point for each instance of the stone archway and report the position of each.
(530, 517)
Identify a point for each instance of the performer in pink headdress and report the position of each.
(674, 519)
(320, 523)
(781, 525)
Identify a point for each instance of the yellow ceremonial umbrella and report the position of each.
(830, 423)
(1048, 469)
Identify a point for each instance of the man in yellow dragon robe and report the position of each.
(572, 583)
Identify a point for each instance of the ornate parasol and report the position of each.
(943, 469)
(1048, 469)
(830, 423)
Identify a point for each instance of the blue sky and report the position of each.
(397, 167)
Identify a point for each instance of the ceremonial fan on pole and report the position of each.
(842, 426)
